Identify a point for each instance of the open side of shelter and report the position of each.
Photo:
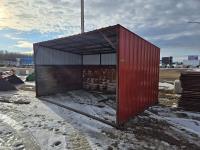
(110, 65)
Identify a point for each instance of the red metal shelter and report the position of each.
(135, 60)
(138, 63)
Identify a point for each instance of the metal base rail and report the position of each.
(80, 112)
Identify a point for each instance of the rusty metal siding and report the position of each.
(138, 71)
(47, 56)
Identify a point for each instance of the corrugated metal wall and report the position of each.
(91, 59)
(106, 59)
(53, 67)
(138, 70)
(47, 56)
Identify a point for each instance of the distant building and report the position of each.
(192, 61)
(167, 61)
(193, 57)
(25, 61)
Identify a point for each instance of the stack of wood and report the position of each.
(100, 79)
(190, 97)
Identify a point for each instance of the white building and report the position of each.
(191, 63)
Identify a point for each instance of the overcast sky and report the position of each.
(163, 22)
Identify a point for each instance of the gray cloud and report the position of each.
(162, 22)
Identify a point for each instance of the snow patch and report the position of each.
(165, 86)
(187, 124)
(11, 122)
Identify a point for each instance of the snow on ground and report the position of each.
(187, 124)
(52, 127)
(48, 129)
(87, 102)
(182, 119)
(27, 86)
(23, 78)
(30, 83)
(165, 86)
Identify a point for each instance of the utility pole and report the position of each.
(82, 16)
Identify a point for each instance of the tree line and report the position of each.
(5, 55)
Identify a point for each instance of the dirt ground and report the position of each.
(170, 75)
(167, 97)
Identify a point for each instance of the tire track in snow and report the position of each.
(28, 139)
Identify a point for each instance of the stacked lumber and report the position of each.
(100, 79)
(190, 97)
